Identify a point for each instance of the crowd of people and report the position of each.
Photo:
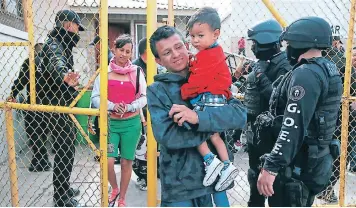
(291, 104)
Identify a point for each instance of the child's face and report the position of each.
(203, 36)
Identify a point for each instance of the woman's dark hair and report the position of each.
(122, 40)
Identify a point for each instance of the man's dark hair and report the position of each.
(38, 47)
(206, 15)
(142, 46)
(122, 40)
(162, 32)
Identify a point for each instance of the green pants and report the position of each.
(126, 133)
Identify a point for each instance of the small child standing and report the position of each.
(208, 86)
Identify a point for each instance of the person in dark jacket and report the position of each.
(96, 41)
(181, 167)
(61, 89)
(272, 63)
(142, 59)
(34, 121)
(307, 100)
(141, 62)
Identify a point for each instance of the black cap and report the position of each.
(69, 15)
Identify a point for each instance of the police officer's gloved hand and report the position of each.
(263, 81)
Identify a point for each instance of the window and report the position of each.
(140, 33)
(11, 14)
(13, 7)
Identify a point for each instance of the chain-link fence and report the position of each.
(31, 177)
(49, 145)
(239, 15)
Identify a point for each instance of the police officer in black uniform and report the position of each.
(60, 89)
(271, 64)
(307, 99)
(35, 126)
(335, 55)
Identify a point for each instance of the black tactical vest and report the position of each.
(253, 100)
(322, 127)
(326, 113)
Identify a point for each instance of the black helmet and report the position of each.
(308, 32)
(265, 32)
(68, 15)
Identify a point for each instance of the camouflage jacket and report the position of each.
(181, 166)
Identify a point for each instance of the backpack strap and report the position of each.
(138, 79)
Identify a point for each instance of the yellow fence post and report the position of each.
(31, 38)
(13, 44)
(345, 104)
(170, 13)
(103, 120)
(275, 13)
(151, 142)
(12, 157)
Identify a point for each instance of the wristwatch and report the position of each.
(270, 172)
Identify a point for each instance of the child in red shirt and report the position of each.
(208, 86)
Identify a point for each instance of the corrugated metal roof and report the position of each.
(130, 4)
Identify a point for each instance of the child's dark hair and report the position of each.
(206, 15)
(162, 32)
(123, 40)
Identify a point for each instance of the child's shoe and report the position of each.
(212, 171)
(227, 177)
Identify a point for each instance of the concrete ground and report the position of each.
(35, 189)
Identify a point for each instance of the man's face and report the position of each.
(38, 48)
(172, 54)
(71, 27)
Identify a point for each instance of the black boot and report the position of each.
(328, 196)
(66, 202)
(73, 192)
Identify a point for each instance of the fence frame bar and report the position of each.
(12, 157)
(151, 142)
(346, 104)
(103, 119)
(31, 48)
(275, 13)
(14, 44)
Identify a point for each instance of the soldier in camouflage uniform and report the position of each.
(181, 166)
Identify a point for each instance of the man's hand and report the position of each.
(181, 113)
(72, 79)
(265, 183)
(353, 106)
(354, 58)
(11, 99)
